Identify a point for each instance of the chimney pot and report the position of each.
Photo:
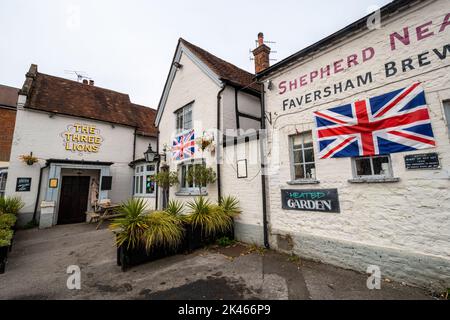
(260, 39)
(91, 82)
(85, 81)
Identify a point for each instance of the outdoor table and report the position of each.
(108, 211)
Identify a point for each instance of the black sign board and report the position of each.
(325, 200)
(422, 161)
(23, 185)
(106, 183)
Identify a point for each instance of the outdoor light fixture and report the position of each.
(177, 65)
(150, 155)
(270, 85)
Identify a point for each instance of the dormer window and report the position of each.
(184, 118)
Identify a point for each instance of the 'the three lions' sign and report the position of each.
(325, 200)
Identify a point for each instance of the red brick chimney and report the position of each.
(261, 54)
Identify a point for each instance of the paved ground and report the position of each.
(38, 263)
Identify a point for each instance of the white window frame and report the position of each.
(304, 163)
(141, 172)
(194, 189)
(181, 114)
(389, 174)
(3, 178)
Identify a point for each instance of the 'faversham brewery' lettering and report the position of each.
(391, 68)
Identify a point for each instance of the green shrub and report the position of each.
(11, 205)
(175, 208)
(5, 237)
(230, 206)
(225, 242)
(209, 217)
(163, 229)
(133, 225)
(7, 221)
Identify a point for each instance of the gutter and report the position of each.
(157, 171)
(219, 188)
(263, 166)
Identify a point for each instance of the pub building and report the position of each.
(358, 172)
(76, 146)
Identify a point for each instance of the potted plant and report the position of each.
(11, 205)
(201, 176)
(145, 236)
(206, 221)
(29, 159)
(205, 141)
(5, 242)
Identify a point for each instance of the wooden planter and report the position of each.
(3, 258)
(193, 239)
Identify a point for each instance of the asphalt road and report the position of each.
(37, 269)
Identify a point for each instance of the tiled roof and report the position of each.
(8, 96)
(225, 70)
(58, 95)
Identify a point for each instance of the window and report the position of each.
(143, 180)
(3, 177)
(185, 186)
(447, 115)
(184, 118)
(376, 166)
(302, 157)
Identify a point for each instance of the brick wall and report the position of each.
(7, 121)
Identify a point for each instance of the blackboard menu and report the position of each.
(422, 161)
(323, 200)
(23, 185)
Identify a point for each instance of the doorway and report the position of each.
(73, 199)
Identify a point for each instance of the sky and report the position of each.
(128, 46)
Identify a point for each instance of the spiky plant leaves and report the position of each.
(5, 237)
(7, 221)
(175, 208)
(230, 206)
(133, 225)
(164, 229)
(11, 205)
(209, 217)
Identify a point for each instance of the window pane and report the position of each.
(309, 155)
(297, 141)
(136, 185)
(183, 176)
(363, 167)
(141, 184)
(447, 115)
(299, 172)
(381, 166)
(298, 156)
(310, 171)
(149, 185)
(150, 168)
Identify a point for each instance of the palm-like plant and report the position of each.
(163, 229)
(230, 206)
(209, 217)
(175, 208)
(11, 205)
(133, 225)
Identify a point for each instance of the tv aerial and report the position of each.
(81, 75)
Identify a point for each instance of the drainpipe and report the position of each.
(219, 136)
(38, 193)
(263, 165)
(157, 171)
(134, 144)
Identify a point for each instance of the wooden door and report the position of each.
(73, 200)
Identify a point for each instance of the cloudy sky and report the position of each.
(128, 46)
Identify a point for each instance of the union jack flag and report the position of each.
(183, 146)
(394, 122)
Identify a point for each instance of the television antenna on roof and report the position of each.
(81, 75)
(256, 46)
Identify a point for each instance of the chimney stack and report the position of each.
(261, 54)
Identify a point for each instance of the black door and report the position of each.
(73, 200)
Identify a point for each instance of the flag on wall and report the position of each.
(183, 146)
(397, 121)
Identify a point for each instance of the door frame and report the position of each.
(55, 168)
